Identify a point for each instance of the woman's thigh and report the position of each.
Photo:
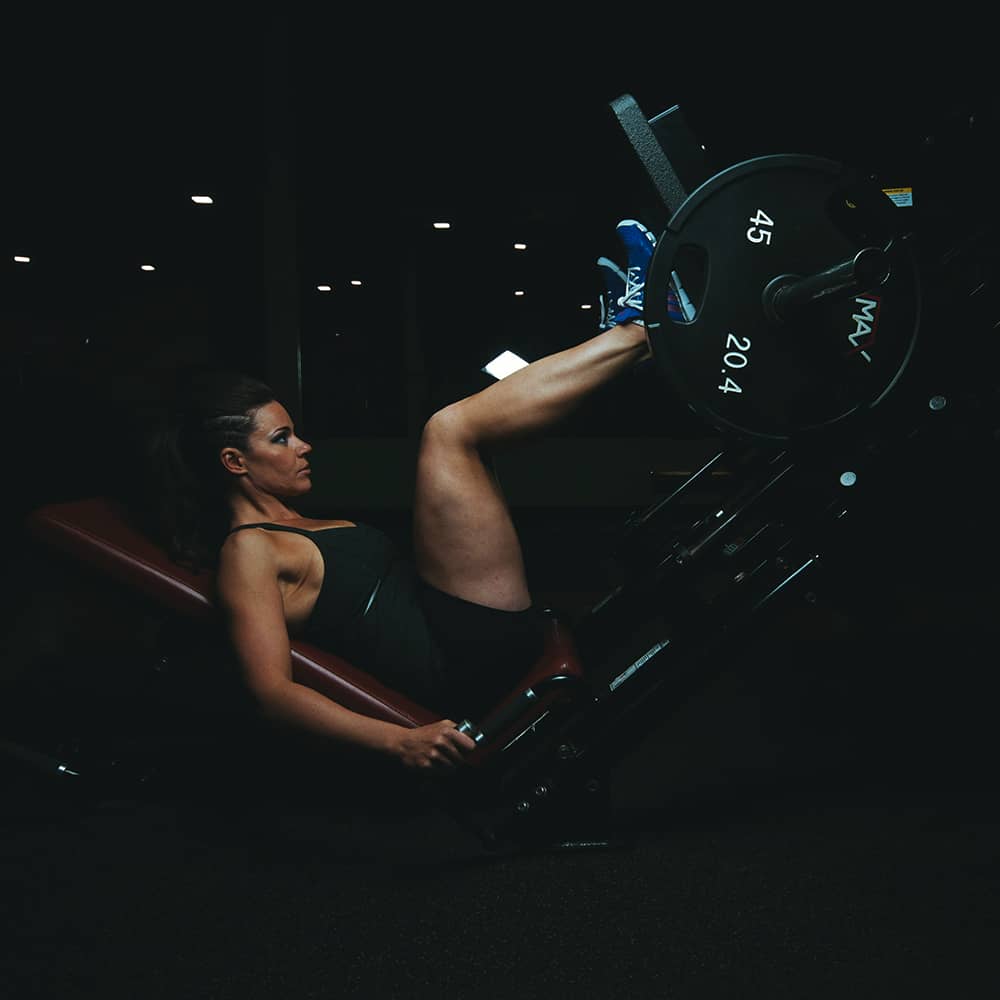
(465, 542)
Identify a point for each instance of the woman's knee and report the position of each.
(453, 465)
(451, 426)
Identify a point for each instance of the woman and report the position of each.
(455, 626)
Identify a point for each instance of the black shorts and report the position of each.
(485, 651)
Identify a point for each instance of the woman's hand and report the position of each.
(438, 746)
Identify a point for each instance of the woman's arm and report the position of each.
(250, 599)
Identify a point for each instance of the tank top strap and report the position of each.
(270, 527)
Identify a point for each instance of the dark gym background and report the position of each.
(819, 820)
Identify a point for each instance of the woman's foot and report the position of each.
(639, 244)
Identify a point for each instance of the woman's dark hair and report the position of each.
(185, 481)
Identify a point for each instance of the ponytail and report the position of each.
(186, 486)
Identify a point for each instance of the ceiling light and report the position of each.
(147, 267)
(520, 246)
(21, 260)
(586, 305)
(442, 225)
(324, 288)
(519, 292)
(355, 281)
(201, 199)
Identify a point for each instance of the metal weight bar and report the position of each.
(786, 295)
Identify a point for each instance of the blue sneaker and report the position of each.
(639, 245)
(614, 289)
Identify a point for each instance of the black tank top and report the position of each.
(368, 610)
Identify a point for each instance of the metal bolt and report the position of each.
(522, 806)
(541, 791)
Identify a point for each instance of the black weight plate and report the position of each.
(771, 216)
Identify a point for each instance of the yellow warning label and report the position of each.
(902, 196)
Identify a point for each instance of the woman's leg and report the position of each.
(464, 540)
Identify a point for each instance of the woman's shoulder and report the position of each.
(248, 564)
(246, 550)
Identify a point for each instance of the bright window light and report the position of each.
(147, 267)
(202, 199)
(442, 225)
(520, 246)
(355, 281)
(503, 364)
(324, 288)
(22, 260)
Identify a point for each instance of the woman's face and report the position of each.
(275, 459)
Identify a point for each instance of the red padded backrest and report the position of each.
(96, 532)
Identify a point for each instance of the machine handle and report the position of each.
(500, 719)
